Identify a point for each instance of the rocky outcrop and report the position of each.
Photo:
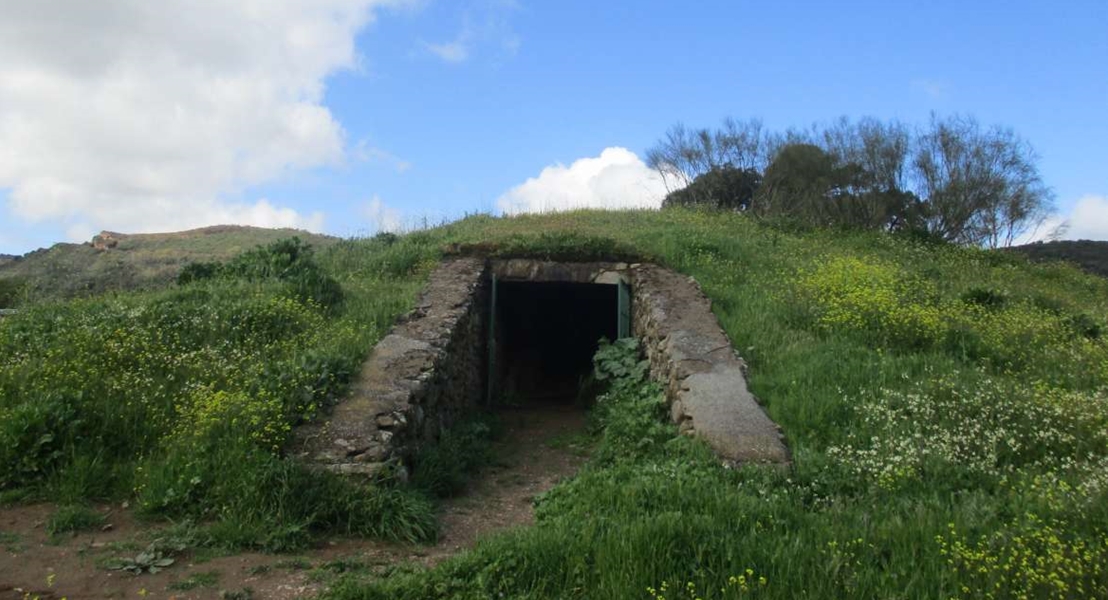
(106, 240)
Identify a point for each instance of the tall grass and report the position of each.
(943, 405)
(183, 399)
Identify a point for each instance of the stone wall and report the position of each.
(432, 367)
(420, 378)
(522, 269)
(692, 358)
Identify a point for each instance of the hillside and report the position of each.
(944, 406)
(117, 261)
(1092, 256)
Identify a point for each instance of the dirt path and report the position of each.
(541, 446)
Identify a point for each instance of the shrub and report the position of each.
(985, 297)
(11, 291)
(289, 260)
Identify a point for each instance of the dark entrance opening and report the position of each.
(545, 335)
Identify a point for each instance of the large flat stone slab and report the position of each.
(691, 356)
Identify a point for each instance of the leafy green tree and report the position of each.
(800, 184)
(725, 187)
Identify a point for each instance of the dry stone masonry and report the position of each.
(432, 367)
(419, 379)
(692, 358)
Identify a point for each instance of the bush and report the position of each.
(289, 260)
(11, 291)
(985, 297)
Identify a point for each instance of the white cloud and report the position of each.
(452, 52)
(364, 152)
(381, 216)
(615, 179)
(138, 116)
(1088, 219)
(486, 25)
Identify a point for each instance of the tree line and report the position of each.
(952, 179)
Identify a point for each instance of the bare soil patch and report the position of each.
(541, 445)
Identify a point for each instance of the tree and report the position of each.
(799, 184)
(954, 180)
(980, 186)
(684, 154)
(880, 150)
(725, 187)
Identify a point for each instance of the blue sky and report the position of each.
(368, 114)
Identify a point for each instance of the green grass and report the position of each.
(204, 579)
(942, 405)
(11, 542)
(72, 519)
(145, 261)
(182, 398)
(443, 468)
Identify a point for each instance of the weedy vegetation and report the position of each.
(945, 406)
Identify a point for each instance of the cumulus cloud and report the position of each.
(140, 116)
(1086, 220)
(615, 179)
(381, 216)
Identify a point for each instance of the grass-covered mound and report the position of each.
(182, 399)
(1090, 255)
(944, 406)
(119, 262)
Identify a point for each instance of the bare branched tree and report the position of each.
(959, 181)
(981, 185)
(684, 154)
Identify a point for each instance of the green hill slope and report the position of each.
(944, 405)
(1091, 256)
(116, 261)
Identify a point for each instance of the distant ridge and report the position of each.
(1089, 255)
(114, 261)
